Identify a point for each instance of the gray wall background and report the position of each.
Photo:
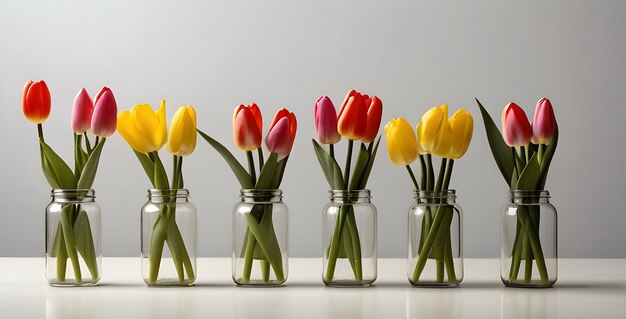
(414, 55)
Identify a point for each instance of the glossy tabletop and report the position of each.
(587, 288)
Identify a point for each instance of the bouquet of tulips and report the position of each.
(73, 238)
(448, 139)
(358, 119)
(145, 131)
(523, 153)
(260, 238)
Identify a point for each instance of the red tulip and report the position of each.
(515, 127)
(104, 117)
(247, 126)
(374, 115)
(36, 101)
(81, 112)
(282, 133)
(326, 121)
(352, 122)
(544, 122)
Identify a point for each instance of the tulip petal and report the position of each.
(126, 128)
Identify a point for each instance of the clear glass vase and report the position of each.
(529, 240)
(435, 232)
(260, 225)
(349, 239)
(168, 238)
(73, 227)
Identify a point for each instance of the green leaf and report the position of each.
(160, 176)
(84, 242)
(278, 178)
(370, 164)
(64, 176)
(530, 175)
(329, 165)
(359, 167)
(48, 172)
(547, 158)
(500, 151)
(147, 164)
(266, 177)
(80, 156)
(89, 171)
(240, 172)
(514, 179)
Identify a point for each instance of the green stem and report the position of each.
(535, 245)
(40, 131)
(408, 168)
(61, 253)
(449, 261)
(334, 243)
(442, 170)
(251, 166)
(516, 256)
(356, 244)
(332, 151)
(157, 241)
(265, 269)
(248, 257)
(68, 234)
(261, 161)
(346, 172)
(423, 175)
(430, 173)
(87, 143)
(440, 270)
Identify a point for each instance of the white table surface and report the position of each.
(587, 288)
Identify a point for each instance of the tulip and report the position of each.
(544, 122)
(461, 129)
(433, 130)
(81, 112)
(143, 129)
(282, 133)
(247, 127)
(182, 137)
(352, 119)
(104, 117)
(36, 101)
(374, 114)
(326, 121)
(516, 130)
(420, 150)
(401, 142)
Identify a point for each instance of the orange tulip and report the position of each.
(36, 101)
(352, 119)
(247, 126)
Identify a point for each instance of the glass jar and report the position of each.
(529, 240)
(260, 224)
(168, 238)
(435, 232)
(349, 225)
(73, 229)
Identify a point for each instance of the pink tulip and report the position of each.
(515, 127)
(544, 122)
(81, 112)
(326, 121)
(104, 118)
(282, 133)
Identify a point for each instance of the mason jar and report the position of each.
(528, 255)
(435, 235)
(349, 225)
(168, 238)
(73, 228)
(260, 226)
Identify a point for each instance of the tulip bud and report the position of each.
(374, 115)
(352, 120)
(516, 130)
(434, 130)
(36, 101)
(104, 117)
(247, 126)
(81, 112)
(182, 137)
(401, 142)
(282, 133)
(544, 122)
(461, 129)
(143, 129)
(326, 121)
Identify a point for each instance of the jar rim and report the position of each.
(519, 193)
(155, 192)
(432, 194)
(260, 191)
(86, 192)
(355, 193)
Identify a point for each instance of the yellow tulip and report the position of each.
(143, 129)
(182, 138)
(461, 129)
(434, 130)
(401, 142)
